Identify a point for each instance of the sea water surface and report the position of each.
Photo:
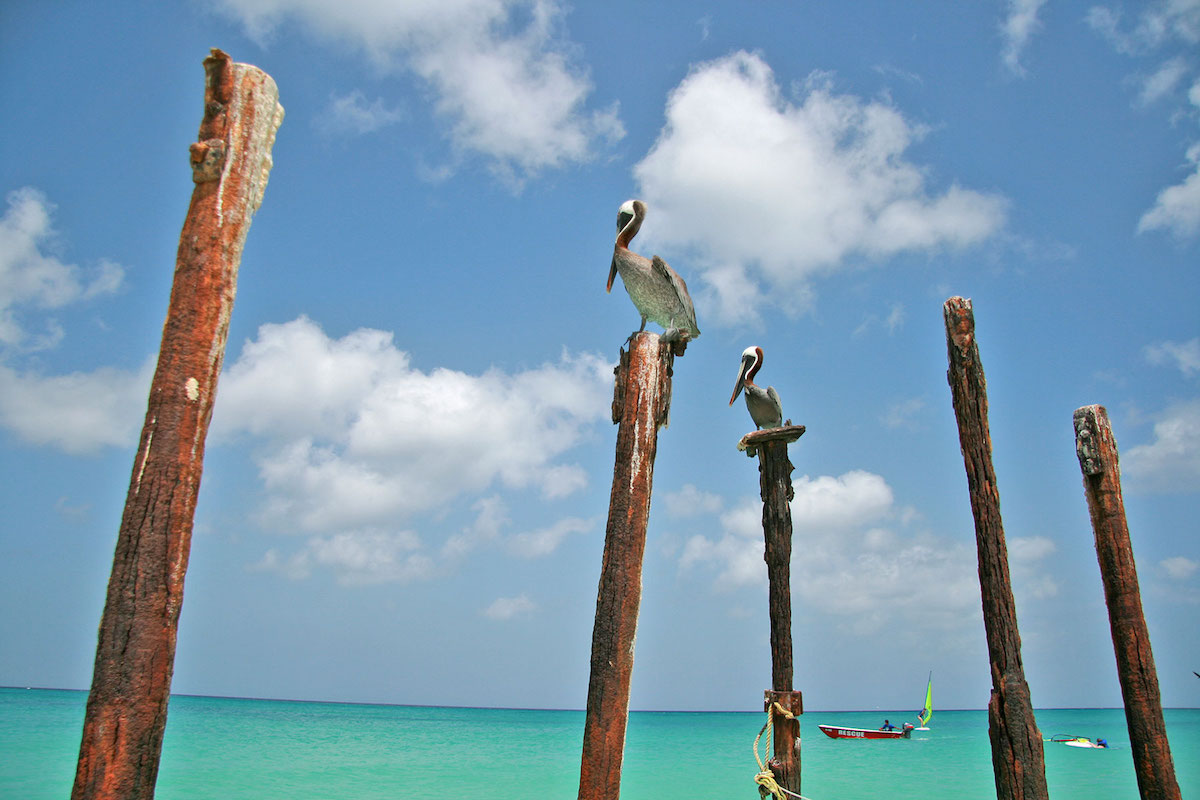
(265, 749)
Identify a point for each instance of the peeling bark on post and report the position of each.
(1098, 459)
(131, 682)
(775, 488)
(1018, 760)
(641, 404)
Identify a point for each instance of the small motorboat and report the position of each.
(838, 732)
(1080, 741)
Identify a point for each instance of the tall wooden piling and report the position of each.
(641, 404)
(1017, 757)
(127, 707)
(775, 488)
(1098, 460)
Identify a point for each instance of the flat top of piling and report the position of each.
(788, 434)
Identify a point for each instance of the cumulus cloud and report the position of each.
(690, 501)
(1184, 355)
(1163, 81)
(1172, 461)
(807, 184)
(352, 114)
(860, 557)
(487, 62)
(1157, 24)
(81, 412)
(544, 541)
(1177, 208)
(1025, 557)
(357, 558)
(1160, 25)
(31, 275)
(504, 608)
(903, 413)
(1179, 568)
(1016, 31)
(352, 436)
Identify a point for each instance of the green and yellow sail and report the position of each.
(927, 711)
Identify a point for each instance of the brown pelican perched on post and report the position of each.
(763, 404)
(657, 291)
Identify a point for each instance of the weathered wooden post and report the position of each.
(127, 707)
(641, 405)
(1017, 757)
(775, 487)
(1098, 459)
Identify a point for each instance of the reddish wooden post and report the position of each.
(775, 487)
(1098, 459)
(1017, 757)
(127, 707)
(641, 404)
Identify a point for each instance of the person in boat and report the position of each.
(1102, 743)
(887, 726)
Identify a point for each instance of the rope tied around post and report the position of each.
(767, 784)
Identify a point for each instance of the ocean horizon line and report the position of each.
(572, 710)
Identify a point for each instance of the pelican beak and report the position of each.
(612, 273)
(741, 379)
(623, 218)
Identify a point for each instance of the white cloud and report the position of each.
(1172, 461)
(903, 413)
(807, 185)
(1159, 22)
(1025, 556)
(80, 412)
(491, 517)
(544, 541)
(29, 276)
(854, 556)
(690, 501)
(357, 558)
(1177, 208)
(1163, 24)
(1163, 81)
(1179, 568)
(503, 608)
(353, 436)
(352, 114)
(1016, 31)
(1185, 355)
(488, 62)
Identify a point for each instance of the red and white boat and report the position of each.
(838, 732)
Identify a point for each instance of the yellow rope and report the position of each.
(767, 785)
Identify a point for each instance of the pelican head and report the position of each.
(628, 212)
(629, 222)
(752, 358)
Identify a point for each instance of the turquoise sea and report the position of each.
(264, 749)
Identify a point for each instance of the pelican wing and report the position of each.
(773, 396)
(680, 287)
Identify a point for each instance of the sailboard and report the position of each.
(927, 710)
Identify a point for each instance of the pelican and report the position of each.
(763, 404)
(657, 291)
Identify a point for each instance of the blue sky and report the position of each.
(409, 466)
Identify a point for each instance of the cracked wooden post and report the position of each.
(775, 487)
(1098, 460)
(131, 682)
(641, 404)
(1017, 757)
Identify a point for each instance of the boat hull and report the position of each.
(839, 732)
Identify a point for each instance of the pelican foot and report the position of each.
(675, 339)
(673, 335)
